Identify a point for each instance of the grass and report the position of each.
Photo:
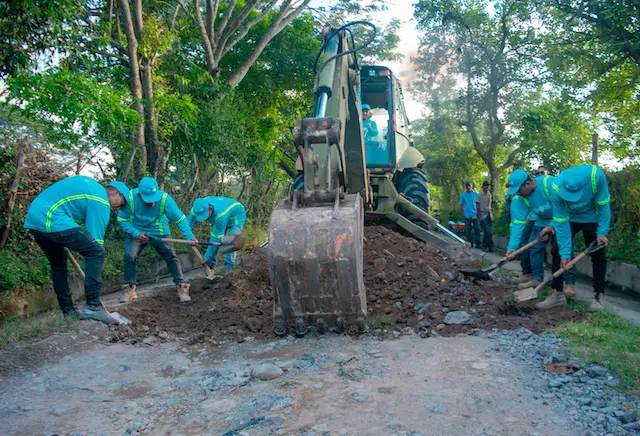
(39, 326)
(381, 321)
(605, 337)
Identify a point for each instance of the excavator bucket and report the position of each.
(315, 264)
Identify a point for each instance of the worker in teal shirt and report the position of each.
(54, 219)
(533, 199)
(146, 221)
(581, 203)
(226, 215)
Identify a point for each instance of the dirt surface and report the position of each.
(330, 385)
(408, 283)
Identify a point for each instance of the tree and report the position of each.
(450, 158)
(554, 132)
(595, 56)
(494, 49)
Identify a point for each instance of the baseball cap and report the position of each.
(122, 189)
(571, 183)
(366, 107)
(468, 182)
(485, 183)
(516, 179)
(201, 209)
(149, 190)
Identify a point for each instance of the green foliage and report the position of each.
(381, 321)
(606, 337)
(555, 133)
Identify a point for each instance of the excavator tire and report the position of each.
(412, 182)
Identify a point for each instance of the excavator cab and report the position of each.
(351, 165)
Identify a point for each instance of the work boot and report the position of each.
(129, 294)
(525, 278)
(97, 313)
(529, 284)
(557, 299)
(597, 304)
(183, 292)
(570, 290)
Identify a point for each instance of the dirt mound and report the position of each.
(409, 284)
(235, 306)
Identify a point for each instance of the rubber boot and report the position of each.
(183, 292)
(129, 294)
(529, 284)
(597, 304)
(557, 299)
(525, 278)
(570, 290)
(97, 313)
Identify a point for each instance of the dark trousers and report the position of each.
(525, 258)
(598, 259)
(132, 249)
(487, 236)
(468, 223)
(79, 240)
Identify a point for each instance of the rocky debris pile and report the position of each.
(585, 395)
(410, 286)
(237, 306)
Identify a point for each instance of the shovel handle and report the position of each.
(206, 267)
(75, 264)
(184, 241)
(520, 250)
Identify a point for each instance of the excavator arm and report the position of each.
(316, 237)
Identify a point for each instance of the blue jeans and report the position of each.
(468, 222)
(79, 240)
(537, 254)
(525, 258)
(132, 249)
(487, 237)
(230, 258)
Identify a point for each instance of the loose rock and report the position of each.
(266, 371)
(458, 317)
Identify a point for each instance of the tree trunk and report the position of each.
(13, 190)
(154, 154)
(135, 86)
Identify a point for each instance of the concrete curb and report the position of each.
(622, 275)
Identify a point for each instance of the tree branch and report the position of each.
(246, 29)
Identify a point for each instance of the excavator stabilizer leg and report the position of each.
(315, 263)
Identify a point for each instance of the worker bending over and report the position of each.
(534, 196)
(146, 221)
(581, 203)
(54, 219)
(226, 215)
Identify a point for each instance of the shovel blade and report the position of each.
(526, 294)
(479, 274)
(121, 319)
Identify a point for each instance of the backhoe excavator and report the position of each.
(315, 248)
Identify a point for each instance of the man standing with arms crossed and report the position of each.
(484, 201)
(53, 219)
(145, 221)
(581, 203)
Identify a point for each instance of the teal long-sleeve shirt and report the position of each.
(138, 217)
(227, 212)
(67, 204)
(593, 207)
(538, 206)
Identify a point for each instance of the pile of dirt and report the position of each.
(408, 283)
(235, 306)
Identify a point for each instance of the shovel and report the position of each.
(483, 274)
(532, 293)
(228, 243)
(210, 275)
(119, 318)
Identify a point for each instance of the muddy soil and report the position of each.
(408, 283)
